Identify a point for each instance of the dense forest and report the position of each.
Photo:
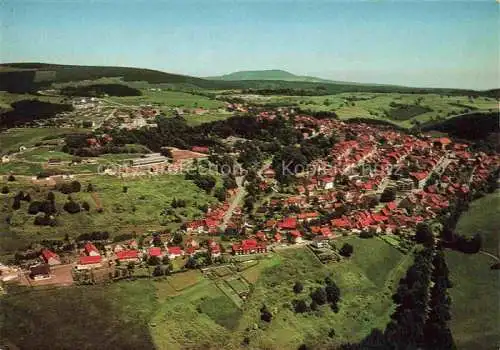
(98, 90)
(473, 126)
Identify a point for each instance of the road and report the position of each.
(240, 194)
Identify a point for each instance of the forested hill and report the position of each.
(271, 74)
(30, 77)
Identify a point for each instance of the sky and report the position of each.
(414, 43)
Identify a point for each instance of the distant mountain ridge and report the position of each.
(29, 77)
(270, 74)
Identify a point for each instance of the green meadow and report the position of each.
(482, 217)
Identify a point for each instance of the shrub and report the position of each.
(300, 306)
(72, 207)
(35, 207)
(5, 190)
(298, 287)
(346, 250)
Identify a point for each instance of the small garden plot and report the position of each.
(222, 271)
(246, 264)
(221, 310)
(230, 293)
(181, 281)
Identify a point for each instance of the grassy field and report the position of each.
(475, 309)
(188, 321)
(366, 282)
(44, 154)
(112, 317)
(482, 217)
(194, 120)
(6, 98)
(474, 306)
(20, 168)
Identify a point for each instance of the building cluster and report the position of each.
(373, 180)
(90, 257)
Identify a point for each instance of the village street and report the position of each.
(238, 198)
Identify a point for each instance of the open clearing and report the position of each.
(366, 297)
(474, 301)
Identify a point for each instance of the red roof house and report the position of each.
(174, 252)
(277, 238)
(87, 260)
(50, 257)
(249, 246)
(214, 249)
(296, 236)
(200, 149)
(288, 223)
(91, 250)
(155, 251)
(127, 255)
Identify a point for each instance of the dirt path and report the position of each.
(97, 200)
(490, 255)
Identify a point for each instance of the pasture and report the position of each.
(197, 119)
(474, 308)
(474, 301)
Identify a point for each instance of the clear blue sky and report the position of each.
(443, 44)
